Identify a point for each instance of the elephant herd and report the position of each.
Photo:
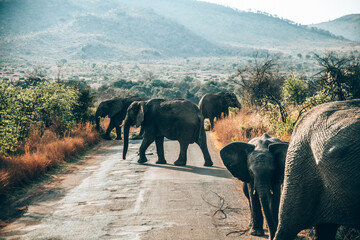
(313, 181)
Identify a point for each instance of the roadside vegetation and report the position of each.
(45, 122)
(274, 102)
(42, 124)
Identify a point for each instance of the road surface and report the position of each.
(105, 197)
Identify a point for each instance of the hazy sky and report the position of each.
(300, 11)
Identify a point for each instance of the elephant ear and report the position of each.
(115, 108)
(279, 151)
(141, 113)
(235, 157)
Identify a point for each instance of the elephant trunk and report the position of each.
(126, 138)
(265, 199)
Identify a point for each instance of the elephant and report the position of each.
(115, 109)
(176, 119)
(214, 104)
(259, 164)
(322, 172)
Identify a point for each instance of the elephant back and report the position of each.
(182, 115)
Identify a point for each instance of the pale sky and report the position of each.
(299, 11)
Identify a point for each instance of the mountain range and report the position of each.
(137, 29)
(347, 26)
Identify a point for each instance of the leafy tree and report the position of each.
(339, 78)
(85, 101)
(48, 104)
(260, 84)
(34, 77)
(294, 90)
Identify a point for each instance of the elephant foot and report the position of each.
(208, 163)
(180, 162)
(142, 160)
(118, 138)
(107, 137)
(163, 161)
(257, 232)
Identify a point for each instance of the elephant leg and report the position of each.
(211, 123)
(246, 192)
(118, 132)
(147, 140)
(257, 218)
(275, 202)
(326, 231)
(202, 144)
(181, 161)
(109, 129)
(160, 150)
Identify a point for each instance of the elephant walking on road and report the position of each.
(176, 119)
(260, 165)
(322, 173)
(115, 109)
(212, 105)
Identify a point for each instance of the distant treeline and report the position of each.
(187, 88)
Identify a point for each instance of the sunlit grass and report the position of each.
(43, 153)
(240, 127)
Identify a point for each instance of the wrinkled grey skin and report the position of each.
(176, 119)
(260, 165)
(212, 105)
(322, 173)
(115, 109)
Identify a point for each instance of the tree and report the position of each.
(294, 90)
(261, 84)
(33, 78)
(339, 78)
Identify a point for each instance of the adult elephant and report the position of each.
(322, 173)
(212, 105)
(115, 109)
(177, 119)
(260, 165)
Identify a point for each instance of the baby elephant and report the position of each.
(260, 165)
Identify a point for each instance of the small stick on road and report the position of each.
(241, 232)
(220, 206)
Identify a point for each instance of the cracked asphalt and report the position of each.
(105, 197)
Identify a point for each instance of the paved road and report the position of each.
(105, 197)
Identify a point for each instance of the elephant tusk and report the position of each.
(254, 192)
(271, 192)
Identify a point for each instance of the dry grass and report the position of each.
(241, 127)
(43, 153)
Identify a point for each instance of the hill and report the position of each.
(228, 26)
(111, 30)
(347, 26)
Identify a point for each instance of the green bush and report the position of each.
(44, 105)
(294, 90)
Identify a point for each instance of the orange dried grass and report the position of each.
(43, 153)
(241, 127)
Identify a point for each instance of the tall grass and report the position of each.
(242, 127)
(42, 153)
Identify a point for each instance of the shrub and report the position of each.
(45, 152)
(47, 105)
(294, 91)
